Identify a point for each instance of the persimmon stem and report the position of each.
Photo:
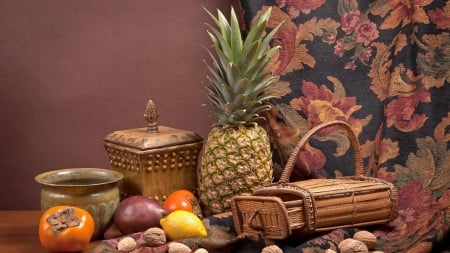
(63, 219)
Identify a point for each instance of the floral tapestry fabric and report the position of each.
(382, 66)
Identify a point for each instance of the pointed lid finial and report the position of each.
(151, 115)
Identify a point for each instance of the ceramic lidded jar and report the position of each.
(93, 189)
(155, 160)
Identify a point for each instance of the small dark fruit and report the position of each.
(138, 213)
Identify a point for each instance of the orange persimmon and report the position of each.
(180, 200)
(65, 229)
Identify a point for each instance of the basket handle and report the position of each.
(353, 139)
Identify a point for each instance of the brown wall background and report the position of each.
(72, 71)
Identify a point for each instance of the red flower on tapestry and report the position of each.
(366, 32)
(350, 21)
(295, 7)
(365, 56)
(359, 34)
(308, 160)
(319, 105)
(339, 48)
(400, 112)
(350, 65)
(385, 175)
(441, 17)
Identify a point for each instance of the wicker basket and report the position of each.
(282, 208)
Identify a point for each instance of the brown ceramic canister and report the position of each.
(155, 160)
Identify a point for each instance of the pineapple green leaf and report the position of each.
(252, 103)
(257, 30)
(214, 77)
(238, 75)
(262, 84)
(264, 17)
(213, 39)
(254, 34)
(258, 69)
(221, 23)
(229, 108)
(221, 118)
(249, 56)
(236, 37)
(238, 117)
(214, 92)
(226, 92)
(266, 40)
(224, 26)
(260, 109)
(214, 96)
(240, 100)
(242, 86)
(255, 117)
(265, 97)
(269, 53)
(220, 44)
(216, 72)
(233, 76)
(225, 65)
(237, 114)
(216, 21)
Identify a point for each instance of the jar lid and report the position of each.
(153, 136)
(139, 138)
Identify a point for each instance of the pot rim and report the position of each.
(45, 177)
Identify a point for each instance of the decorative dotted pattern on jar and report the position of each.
(159, 198)
(124, 160)
(175, 159)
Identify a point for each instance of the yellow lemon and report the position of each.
(181, 224)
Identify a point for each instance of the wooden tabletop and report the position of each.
(19, 232)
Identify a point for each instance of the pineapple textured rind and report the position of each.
(233, 163)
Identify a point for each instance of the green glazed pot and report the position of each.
(93, 189)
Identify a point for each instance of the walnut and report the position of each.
(126, 244)
(154, 237)
(176, 247)
(330, 251)
(201, 250)
(352, 246)
(369, 239)
(272, 249)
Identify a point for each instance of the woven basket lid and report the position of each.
(152, 136)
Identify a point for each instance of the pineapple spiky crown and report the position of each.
(239, 76)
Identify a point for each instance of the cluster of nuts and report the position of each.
(362, 242)
(154, 237)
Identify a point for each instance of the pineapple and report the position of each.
(236, 157)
